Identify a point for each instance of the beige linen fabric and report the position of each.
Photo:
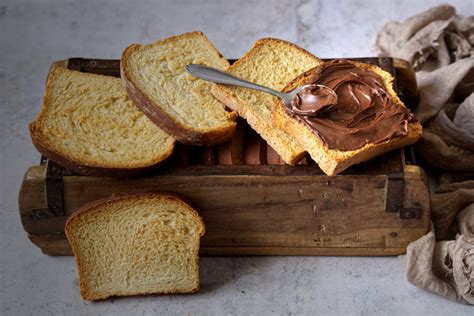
(439, 45)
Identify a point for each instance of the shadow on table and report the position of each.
(217, 272)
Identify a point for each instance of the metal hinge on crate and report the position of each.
(53, 191)
(394, 202)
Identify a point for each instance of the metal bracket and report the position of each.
(40, 213)
(394, 199)
(54, 188)
(394, 202)
(411, 213)
(53, 185)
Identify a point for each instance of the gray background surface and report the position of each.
(35, 33)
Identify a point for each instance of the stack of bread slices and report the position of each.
(101, 125)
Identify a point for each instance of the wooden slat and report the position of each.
(60, 247)
(257, 212)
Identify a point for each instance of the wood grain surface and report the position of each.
(279, 215)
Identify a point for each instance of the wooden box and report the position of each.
(252, 203)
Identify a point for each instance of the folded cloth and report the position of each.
(429, 40)
(454, 194)
(445, 267)
(438, 87)
(439, 45)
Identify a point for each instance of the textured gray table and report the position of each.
(35, 33)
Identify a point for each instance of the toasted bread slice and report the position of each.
(156, 80)
(332, 161)
(272, 63)
(89, 125)
(138, 244)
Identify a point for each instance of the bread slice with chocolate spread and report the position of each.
(345, 147)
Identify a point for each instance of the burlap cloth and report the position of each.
(439, 45)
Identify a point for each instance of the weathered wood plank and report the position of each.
(258, 211)
(60, 247)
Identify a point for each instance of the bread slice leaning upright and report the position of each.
(88, 124)
(156, 80)
(137, 244)
(272, 63)
(333, 161)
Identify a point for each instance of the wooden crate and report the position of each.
(251, 203)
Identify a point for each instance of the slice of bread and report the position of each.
(89, 125)
(137, 244)
(333, 161)
(272, 63)
(156, 80)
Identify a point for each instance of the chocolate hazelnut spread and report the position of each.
(313, 99)
(354, 111)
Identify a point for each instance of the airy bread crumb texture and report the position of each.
(157, 70)
(272, 63)
(89, 119)
(333, 161)
(137, 244)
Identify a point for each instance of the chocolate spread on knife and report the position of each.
(360, 110)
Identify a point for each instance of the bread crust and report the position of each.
(154, 112)
(265, 41)
(82, 167)
(94, 206)
(332, 161)
(225, 95)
